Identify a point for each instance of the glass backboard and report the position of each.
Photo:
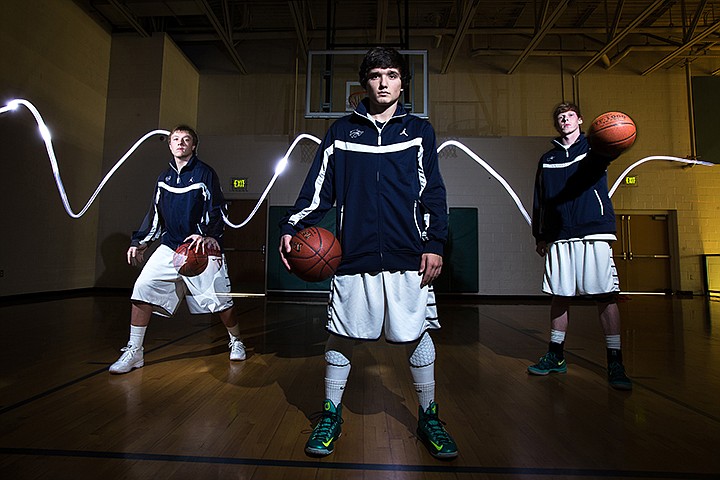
(332, 82)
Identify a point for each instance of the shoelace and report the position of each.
(616, 370)
(128, 353)
(436, 429)
(546, 361)
(325, 425)
(238, 343)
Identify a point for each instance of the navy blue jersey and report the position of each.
(185, 202)
(571, 194)
(386, 184)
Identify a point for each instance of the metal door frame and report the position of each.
(673, 243)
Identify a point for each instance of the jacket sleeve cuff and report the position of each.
(434, 246)
(287, 229)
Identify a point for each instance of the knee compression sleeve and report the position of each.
(422, 369)
(424, 352)
(336, 359)
(338, 351)
(337, 369)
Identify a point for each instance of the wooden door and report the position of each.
(642, 253)
(246, 247)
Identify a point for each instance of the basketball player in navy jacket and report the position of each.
(379, 167)
(574, 226)
(186, 207)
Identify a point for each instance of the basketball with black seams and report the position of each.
(611, 133)
(188, 261)
(314, 254)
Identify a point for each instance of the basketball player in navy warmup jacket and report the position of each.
(574, 226)
(187, 207)
(379, 166)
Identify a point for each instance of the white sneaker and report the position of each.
(237, 350)
(132, 357)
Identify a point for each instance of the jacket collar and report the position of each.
(188, 166)
(363, 112)
(558, 144)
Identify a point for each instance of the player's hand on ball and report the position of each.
(203, 244)
(196, 242)
(284, 249)
(313, 254)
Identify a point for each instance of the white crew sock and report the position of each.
(137, 336)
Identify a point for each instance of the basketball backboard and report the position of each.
(332, 78)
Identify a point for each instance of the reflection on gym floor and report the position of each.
(190, 413)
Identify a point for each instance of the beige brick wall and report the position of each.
(64, 66)
(55, 56)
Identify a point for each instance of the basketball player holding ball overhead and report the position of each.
(379, 166)
(186, 207)
(574, 226)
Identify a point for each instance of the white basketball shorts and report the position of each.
(366, 305)
(580, 267)
(160, 285)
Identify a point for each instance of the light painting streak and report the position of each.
(280, 167)
(47, 138)
(278, 170)
(655, 157)
(492, 172)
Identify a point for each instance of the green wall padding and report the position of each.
(460, 272)
(460, 263)
(706, 104)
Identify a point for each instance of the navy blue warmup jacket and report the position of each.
(184, 203)
(571, 194)
(386, 184)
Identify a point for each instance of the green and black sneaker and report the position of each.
(549, 363)
(322, 439)
(617, 378)
(433, 434)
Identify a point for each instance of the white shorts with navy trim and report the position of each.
(160, 285)
(366, 305)
(580, 267)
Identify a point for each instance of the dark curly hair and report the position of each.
(383, 57)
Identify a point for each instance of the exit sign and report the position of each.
(631, 181)
(239, 184)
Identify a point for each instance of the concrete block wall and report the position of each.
(247, 122)
(56, 57)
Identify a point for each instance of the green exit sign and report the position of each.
(239, 184)
(631, 181)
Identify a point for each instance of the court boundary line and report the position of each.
(258, 462)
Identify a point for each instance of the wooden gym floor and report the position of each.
(191, 414)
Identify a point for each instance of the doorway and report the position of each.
(645, 252)
(245, 248)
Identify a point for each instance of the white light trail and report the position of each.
(492, 172)
(282, 163)
(279, 167)
(47, 138)
(655, 157)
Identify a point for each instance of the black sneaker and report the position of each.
(617, 378)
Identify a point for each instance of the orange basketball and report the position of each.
(611, 133)
(188, 262)
(314, 255)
